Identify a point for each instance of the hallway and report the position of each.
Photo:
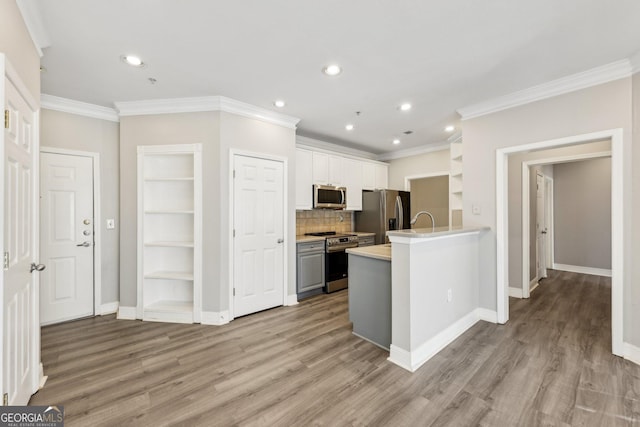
(550, 365)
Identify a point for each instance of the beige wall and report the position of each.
(73, 132)
(515, 204)
(219, 133)
(422, 164)
(582, 213)
(431, 195)
(15, 42)
(165, 129)
(602, 107)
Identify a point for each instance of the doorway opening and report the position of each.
(618, 204)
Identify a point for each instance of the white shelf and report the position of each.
(170, 233)
(170, 275)
(165, 244)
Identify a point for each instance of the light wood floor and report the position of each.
(300, 366)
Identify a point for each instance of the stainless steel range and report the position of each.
(336, 262)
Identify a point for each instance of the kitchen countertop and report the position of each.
(428, 233)
(306, 239)
(381, 252)
(363, 233)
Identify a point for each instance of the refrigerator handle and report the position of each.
(400, 213)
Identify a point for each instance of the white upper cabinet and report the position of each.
(320, 168)
(353, 181)
(374, 176)
(330, 168)
(304, 179)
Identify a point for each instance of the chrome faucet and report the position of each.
(433, 221)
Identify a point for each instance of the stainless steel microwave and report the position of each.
(329, 197)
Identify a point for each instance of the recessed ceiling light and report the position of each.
(279, 103)
(349, 127)
(405, 107)
(332, 70)
(132, 60)
(396, 141)
(450, 128)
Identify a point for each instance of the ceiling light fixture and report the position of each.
(132, 60)
(450, 128)
(332, 70)
(405, 107)
(396, 141)
(349, 127)
(279, 103)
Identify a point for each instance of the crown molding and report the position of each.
(635, 62)
(33, 20)
(65, 105)
(595, 76)
(201, 104)
(400, 154)
(316, 144)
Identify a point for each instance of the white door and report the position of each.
(66, 237)
(541, 230)
(21, 332)
(258, 254)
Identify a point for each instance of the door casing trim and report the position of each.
(285, 218)
(97, 220)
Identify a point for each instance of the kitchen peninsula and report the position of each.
(433, 291)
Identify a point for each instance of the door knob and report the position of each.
(280, 240)
(86, 222)
(85, 244)
(38, 267)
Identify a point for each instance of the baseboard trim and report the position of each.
(487, 315)
(413, 360)
(215, 318)
(533, 284)
(126, 313)
(583, 270)
(109, 308)
(632, 353)
(515, 292)
(292, 299)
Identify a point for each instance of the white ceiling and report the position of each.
(438, 55)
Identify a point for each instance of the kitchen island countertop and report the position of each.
(381, 252)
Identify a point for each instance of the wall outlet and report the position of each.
(449, 295)
(475, 209)
(111, 224)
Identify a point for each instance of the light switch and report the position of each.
(111, 224)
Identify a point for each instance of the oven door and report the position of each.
(336, 268)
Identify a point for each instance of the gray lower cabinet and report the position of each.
(310, 269)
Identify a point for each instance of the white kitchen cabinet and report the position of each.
(169, 233)
(368, 176)
(353, 181)
(336, 170)
(304, 179)
(320, 168)
(382, 176)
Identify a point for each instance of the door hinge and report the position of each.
(5, 399)
(7, 118)
(234, 232)
(6, 261)
(234, 173)
(234, 292)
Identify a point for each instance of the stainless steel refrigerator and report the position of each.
(383, 210)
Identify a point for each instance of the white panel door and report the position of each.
(541, 230)
(20, 329)
(66, 237)
(258, 255)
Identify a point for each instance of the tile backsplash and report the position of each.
(323, 220)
